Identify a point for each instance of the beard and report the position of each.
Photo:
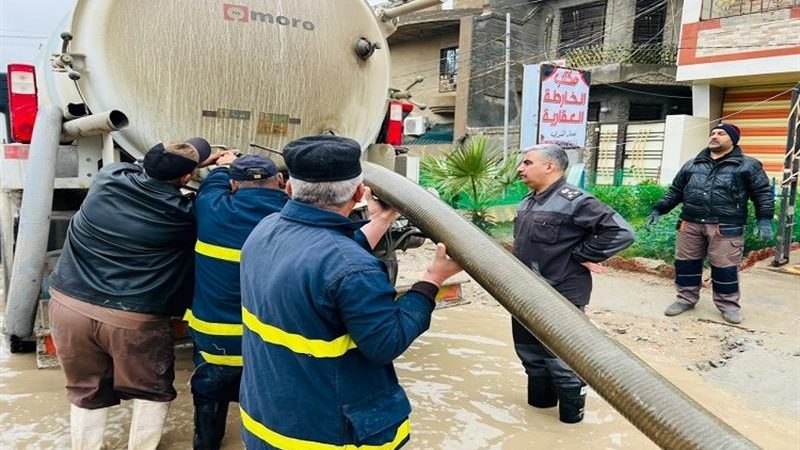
(718, 147)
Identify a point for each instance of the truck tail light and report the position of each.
(398, 110)
(22, 101)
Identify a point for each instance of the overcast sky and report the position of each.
(25, 25)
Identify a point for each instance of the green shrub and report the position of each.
(634, 203)
(472, 176)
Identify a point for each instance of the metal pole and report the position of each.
(508, 82)
(788, 195)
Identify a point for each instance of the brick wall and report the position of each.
(748, 33)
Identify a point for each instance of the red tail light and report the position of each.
(22, 101)
(398, 110)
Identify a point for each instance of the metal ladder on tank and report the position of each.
(788, 195)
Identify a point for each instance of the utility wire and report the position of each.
(580, 42)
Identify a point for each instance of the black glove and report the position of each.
(764, 229)
(652, 219)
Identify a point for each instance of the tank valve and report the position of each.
(364, 48)
(66, 36)
(64, 60)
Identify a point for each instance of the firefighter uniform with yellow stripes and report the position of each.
(226, 214)
(321, 322)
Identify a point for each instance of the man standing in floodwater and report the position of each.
(562, 233)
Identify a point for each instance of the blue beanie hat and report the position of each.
(732, 130)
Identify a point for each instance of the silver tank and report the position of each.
(257, 70)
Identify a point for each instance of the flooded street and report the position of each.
(468, 388)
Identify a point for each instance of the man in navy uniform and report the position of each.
(562, 233)
(322, 323)
(230, 203)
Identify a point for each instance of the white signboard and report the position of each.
(555, 106)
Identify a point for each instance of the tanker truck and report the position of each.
(263, 72)
(122, 75)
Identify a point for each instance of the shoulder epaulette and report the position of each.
(569, 193)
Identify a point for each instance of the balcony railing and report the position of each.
(713, 9)
(448, 83)
(597, 55)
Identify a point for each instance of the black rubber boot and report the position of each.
(571, 403)
(209, 424)
(542, 392)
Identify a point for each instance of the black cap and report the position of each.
(252, 168)
(323, 158)
(171, 160)
(202, 146)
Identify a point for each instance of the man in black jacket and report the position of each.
(562, 233)
(125, 268)
(714, 188)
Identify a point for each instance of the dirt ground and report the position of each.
(468, 388)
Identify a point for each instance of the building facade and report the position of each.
(629, 46)
(742, 58)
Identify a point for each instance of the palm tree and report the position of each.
(472, 175)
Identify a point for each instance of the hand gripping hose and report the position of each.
(651, 403)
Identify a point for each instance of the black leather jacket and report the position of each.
(718, 193)
(131, 245)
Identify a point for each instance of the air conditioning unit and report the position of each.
(415, 125)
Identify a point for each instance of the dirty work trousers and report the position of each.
(213, 388)
(104, 363)
(723, 244)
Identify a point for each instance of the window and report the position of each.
(648, 29)
(582, 26)
(593, 112)
(639, 111)
(448, 69)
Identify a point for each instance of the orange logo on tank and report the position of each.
(237, 13)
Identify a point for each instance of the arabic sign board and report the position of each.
(555, 103)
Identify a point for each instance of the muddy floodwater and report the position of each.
(467, 387)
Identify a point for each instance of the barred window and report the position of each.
(648, 29)
(582, 26)
(448, 69)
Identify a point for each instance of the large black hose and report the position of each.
(654, 405)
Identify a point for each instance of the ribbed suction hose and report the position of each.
(651, 403)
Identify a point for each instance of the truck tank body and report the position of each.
(263, 71)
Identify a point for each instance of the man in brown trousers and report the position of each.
(714, 188)
(126, 267)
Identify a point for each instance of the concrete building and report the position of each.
(742, 57)
(630, 47)
(426, 44)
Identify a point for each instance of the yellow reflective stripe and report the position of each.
(317, 348)
(218, 252)
(278, 440)
(217, 329)
(222, 360)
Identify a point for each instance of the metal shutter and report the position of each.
(763, 122)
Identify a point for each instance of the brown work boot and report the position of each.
(732, 316)
(677, 308)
